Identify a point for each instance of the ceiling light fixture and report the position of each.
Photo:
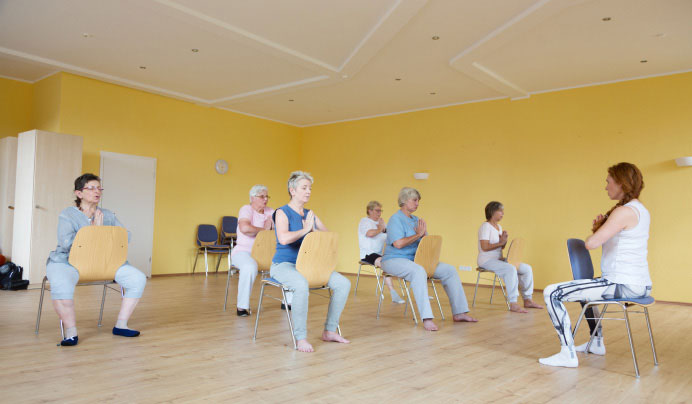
(605, 19)
(435, 38)
(195, 50)
(290, 99)
(87, 35)
(397, 79)
(643, 61)
(433, 93)
(143, 67)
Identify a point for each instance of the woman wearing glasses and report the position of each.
(63, 277)
(252, 219)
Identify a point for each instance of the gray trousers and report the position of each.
(287, 274)
(63, 278)
(514, 279)
(417, 277)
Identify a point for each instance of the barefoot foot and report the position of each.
(429, 325)
(304, 346)
(331, 336)
(530, 304)
(516, 308)
(463, 317)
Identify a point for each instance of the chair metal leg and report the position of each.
(357, 279)
(218, 262)
(206, 263)
(492, 292)
(103, 301)
(377, 283)
(288, 316)
(598, 325)
(400, 286)
(579, 320)
(62, 331)
(338, 328)
(432, 281)
(502, 287)
(228, 282)
(475, 291)
(629, 335)
(408, 297)
(40, 304)
(195, 264)
(379, 299)
(651, 335)
(259, 310)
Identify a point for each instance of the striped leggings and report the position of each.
(583, 290)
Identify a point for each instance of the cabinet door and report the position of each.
(58, 163)
(8, 170)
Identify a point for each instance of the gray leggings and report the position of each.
(63, 278)
(287, 274)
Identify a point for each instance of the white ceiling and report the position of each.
(306, 62)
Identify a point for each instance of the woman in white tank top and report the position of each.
(623, 233)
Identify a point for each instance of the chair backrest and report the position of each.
(98, 251)
(229, 226)
(317, 257)
(263, 249)
(428, 253)
(579, 259)
(207, 235)
(516, 252)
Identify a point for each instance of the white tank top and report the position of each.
(624, 255)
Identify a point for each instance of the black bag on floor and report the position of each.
(11, 277)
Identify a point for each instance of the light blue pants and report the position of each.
(514, 279)
(416, 275)
(287, 274)
(63, 278)
(247, 268)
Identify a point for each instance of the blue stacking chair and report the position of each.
(582, 268)
(316, 262)
(229, 230)
(207, 243)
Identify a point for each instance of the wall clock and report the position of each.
(221, 166)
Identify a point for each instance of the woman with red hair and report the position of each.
(623, 233)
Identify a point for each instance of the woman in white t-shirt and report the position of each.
(252, 219)
(371, 238)
(623, 233)
(491, 241)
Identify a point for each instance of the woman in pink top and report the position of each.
(252, 219)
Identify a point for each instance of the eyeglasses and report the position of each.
(263, 196)
(92, 188)
(377, 210)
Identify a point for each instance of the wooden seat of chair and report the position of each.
(98, 251)
(317, 257)
(428, 254)
(263, 249)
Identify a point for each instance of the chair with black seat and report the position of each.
(582, 268)
(207, 243)
(316, 262)
(97, 253)
(427, 256)
(263, 249)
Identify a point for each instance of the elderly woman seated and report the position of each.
(293, 223)
(252, 219)
(404, 232)
(63, 277)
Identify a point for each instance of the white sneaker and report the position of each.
(597, 347)
(396, 298)
(566, 358)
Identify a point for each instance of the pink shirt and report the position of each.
(244, 242)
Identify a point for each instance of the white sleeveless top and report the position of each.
(624, 255)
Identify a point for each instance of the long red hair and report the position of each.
(629, 177)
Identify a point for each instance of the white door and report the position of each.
(129, 184)
(8, 173)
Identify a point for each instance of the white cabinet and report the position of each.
(47, 165)
(8, 165)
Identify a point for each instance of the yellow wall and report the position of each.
(15, 107)
(544, 157)
(46, 102)
(186, 140)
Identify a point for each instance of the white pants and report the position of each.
(514, 279)
(247, 268)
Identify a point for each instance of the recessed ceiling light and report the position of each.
(143, 67)
(195, 50)
(433, 93)
(290, 99)
(87, 35)
(398, 79)
(660, 35)
(605, 19)
(435, 38)
(643, 61)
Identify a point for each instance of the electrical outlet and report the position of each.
(464, 268)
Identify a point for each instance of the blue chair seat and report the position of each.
(644, 301)
(218, 246)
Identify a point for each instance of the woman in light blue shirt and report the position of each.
(404, 231)
(63, 277)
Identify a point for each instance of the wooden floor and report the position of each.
(190, 350)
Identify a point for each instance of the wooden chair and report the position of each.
(514, 256)
(97, 252)
(316, 261)
(263, 250)
(427, 256)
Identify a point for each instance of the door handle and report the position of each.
(10, 207)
